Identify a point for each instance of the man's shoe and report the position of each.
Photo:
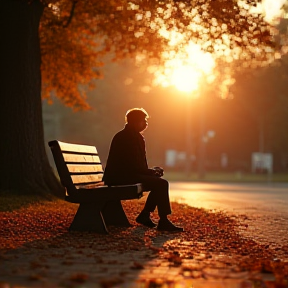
(166, 225)
(144, 219)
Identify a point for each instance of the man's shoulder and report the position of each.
(127, 134)
(120, 135)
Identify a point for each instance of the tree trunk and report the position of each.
(24, 163)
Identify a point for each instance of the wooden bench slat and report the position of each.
(77, 179)
(77, 147)
(76, 158)
(84, 168)
(79, 153)
(85, 173)
(90, 185)
(122, 192)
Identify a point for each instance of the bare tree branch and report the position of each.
(71, 14)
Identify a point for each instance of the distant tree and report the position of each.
(263, 93)
(65, 40)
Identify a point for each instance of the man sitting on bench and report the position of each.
(127, 164)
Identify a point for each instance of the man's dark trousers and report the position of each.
(158, 196)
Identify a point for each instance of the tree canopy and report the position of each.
(75, 35)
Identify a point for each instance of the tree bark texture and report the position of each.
(24, 163)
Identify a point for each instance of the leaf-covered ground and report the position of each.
(36, 250)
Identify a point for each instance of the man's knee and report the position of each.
(163, 183)
(155, 183)
(166, 183)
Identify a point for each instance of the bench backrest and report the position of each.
(78, 166)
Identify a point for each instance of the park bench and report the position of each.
(80, 171)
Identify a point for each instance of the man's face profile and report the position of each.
(141, 124)
(144, 124)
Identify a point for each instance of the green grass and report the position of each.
(227, 177)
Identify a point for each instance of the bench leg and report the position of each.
(89, 218)
(114, 214)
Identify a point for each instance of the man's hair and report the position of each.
(135, 114)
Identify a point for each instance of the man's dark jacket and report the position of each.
(127, 158)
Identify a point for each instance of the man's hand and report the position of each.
(158, 171)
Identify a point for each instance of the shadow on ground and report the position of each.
(36, 251)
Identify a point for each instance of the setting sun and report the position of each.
(186, 68)
(185, 79)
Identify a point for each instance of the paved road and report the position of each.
(265, 205)
(232, 197)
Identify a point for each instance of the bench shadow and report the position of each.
(72, 258)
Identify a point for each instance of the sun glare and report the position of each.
(185, 79)
(185, 68)
(190, 59)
